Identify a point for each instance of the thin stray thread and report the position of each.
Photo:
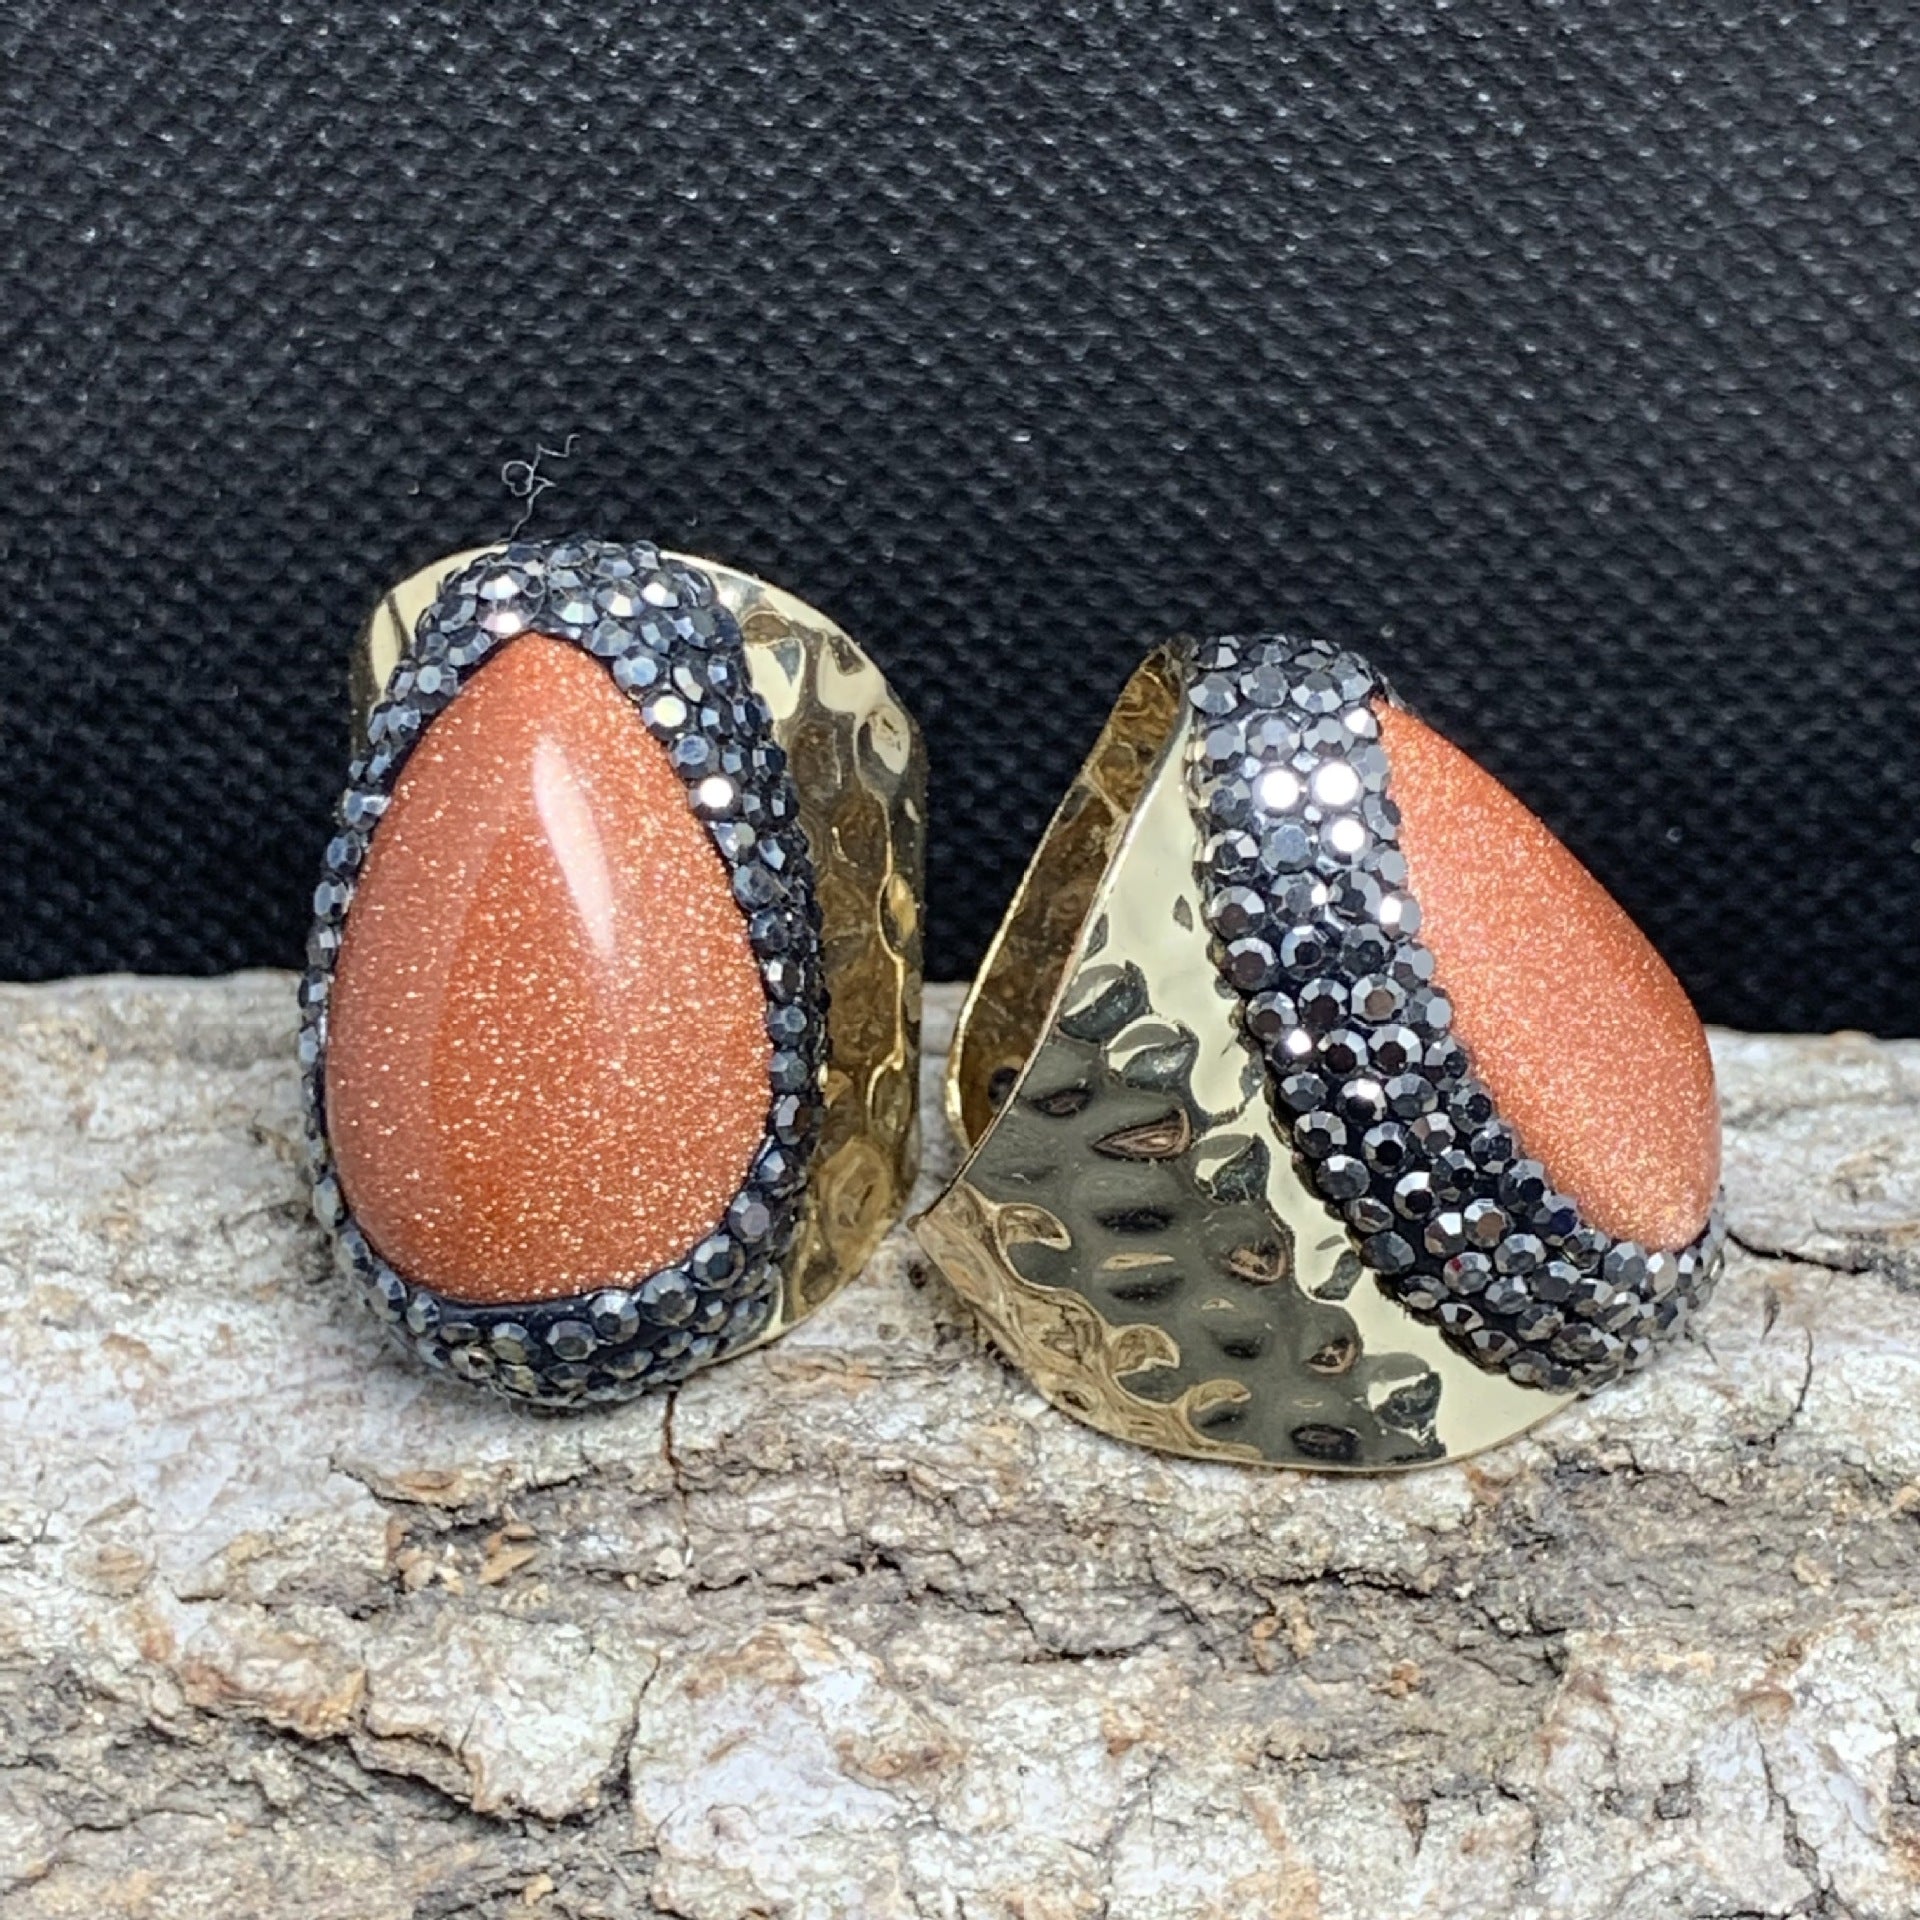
(524, 480)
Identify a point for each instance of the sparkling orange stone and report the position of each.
(547, 1058)
(1577, 1026)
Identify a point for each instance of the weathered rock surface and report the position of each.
(857, 1625)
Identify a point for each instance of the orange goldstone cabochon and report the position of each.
(1581, 1033)
(547, 1059)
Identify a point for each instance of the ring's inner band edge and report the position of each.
(1007, 1005)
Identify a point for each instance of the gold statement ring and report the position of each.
(1319, 1108)
(611, 1018)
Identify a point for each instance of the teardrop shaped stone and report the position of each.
(547, 1060)
(1579, 1029)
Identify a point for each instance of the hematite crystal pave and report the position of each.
(1315, 931)
(678, 654)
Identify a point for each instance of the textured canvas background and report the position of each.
(1567, 358)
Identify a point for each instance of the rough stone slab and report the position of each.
(857, 1625)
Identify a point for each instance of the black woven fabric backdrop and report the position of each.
(1565, 358)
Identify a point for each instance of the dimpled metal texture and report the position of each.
(1315, 931)
(658, 628)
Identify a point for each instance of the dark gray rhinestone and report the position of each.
(1387, 1252)
(1663, 1275)
(1369, 1214)
(1302, 1092)
(1446, 1234)
(1236, 912)
(1216, 656)
(1316, 693)
(793, 1119)
(788, 1026)
(423, 1313)
(1555, 1282)
(1529, 1369)
(1412, 965)
(1319, 1134)
(716, 1260)
(1520, 1253)
(1523, 1186)
(1430, 1011)
(1223, 745)
(692, 755)
(571, 1340)
(1432, 1133)
(1420, 1291)
(786, 978)
(345, 851)
(667, 1298)
(1341, 1177)
(1286, 847)
(1625, 1266)
(1343, 1052)
(1506, 1293)
(1467, 1273)
(615, 1317)
(1272, 740)
(1585, 1246)
(1328, 739)
(1322, 1004)
(1537, 1322)
(1493, 1147)
(1395, 1049)
(1492, 1346)
(755, 887)
(790, 1072)
(1401, 913)
(1581, 1344)
(1362, 1101)
(750, 1219)
(1232, 856)
(1555, 1217)
(1445, 1061)
(1304, 949)
(512, 1344)
(1265, 683)
(472, 1363)
(361, 809)
(1342, 840)
(1390, 865)
(1230, 802)
(1386, 1147)
(1409, 1095)
(1380, 815)
(1269, 1017)
(1413, 1196)
(1486, 1224)
(387, 1294)
(1459, 1318)
(1377, 997)
(331, 899)
(329, 1205)
(1214, 694)
(1592, 1296)
(1251, 965)
(1364, 950)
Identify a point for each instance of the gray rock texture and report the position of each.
(857, 1625)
